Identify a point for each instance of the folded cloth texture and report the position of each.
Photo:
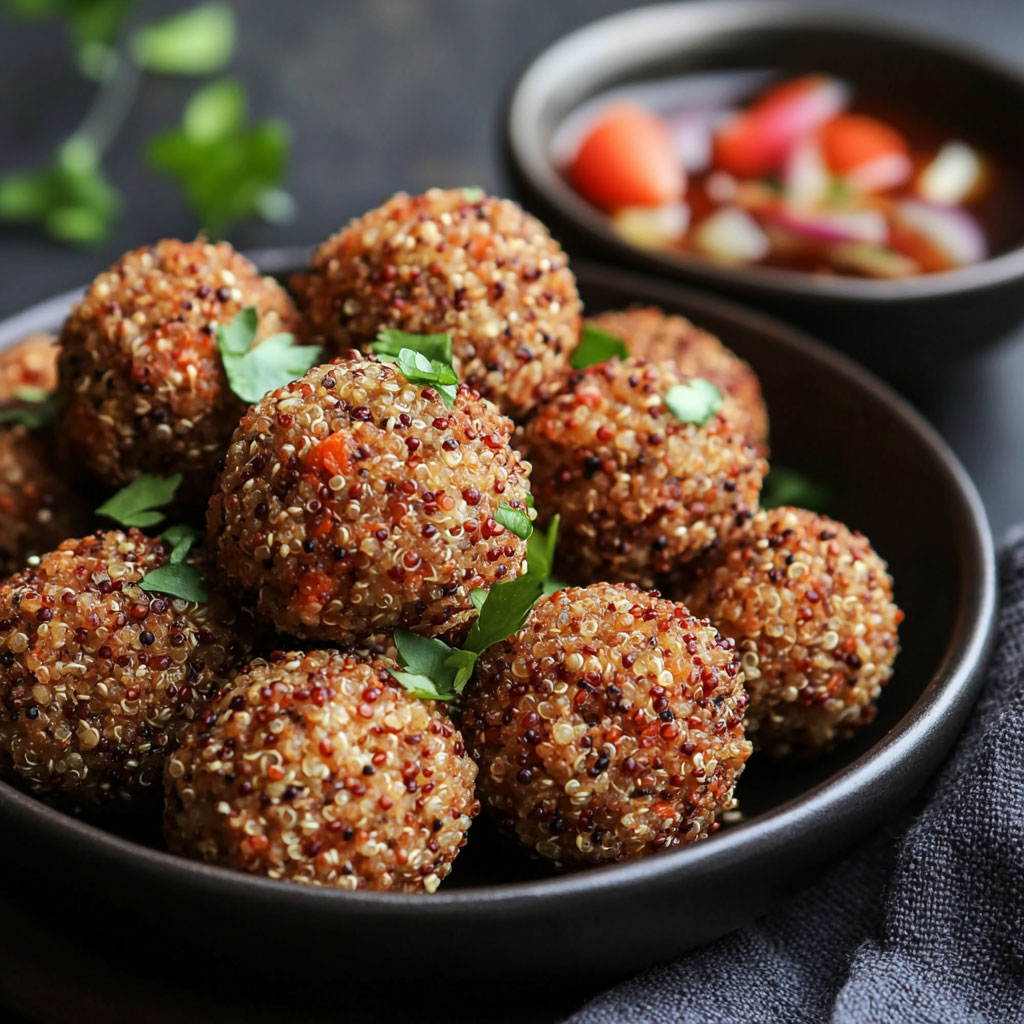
(922, 925)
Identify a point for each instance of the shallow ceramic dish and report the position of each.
(900, 326)
(890, 475)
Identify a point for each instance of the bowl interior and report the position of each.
(652, 44)
(888, 475)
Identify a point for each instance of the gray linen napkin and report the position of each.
(923, 925)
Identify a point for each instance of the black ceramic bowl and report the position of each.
(901, 327)
(890, 475)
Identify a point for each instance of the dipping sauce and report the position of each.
(803, 173)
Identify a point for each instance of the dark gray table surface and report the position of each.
(384, 95)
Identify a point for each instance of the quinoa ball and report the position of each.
(608, 727)
(38, 509)
(453, 261)
(31, 363)
(650, 333)
(810, 606)
(352, 502)
(142, 388)
(638, 490)
(318, 768)
(97, 675)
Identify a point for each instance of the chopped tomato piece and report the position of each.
(852, 140)
(628, 159)
(331, 454)
(758, 140)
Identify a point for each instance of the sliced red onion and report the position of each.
(819, 225)
(652, 227)
(952, 176)
(950, 229)
(882, 173)
(804, 176)
(691, 131)
(732, 236)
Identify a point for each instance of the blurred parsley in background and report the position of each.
(228, 168)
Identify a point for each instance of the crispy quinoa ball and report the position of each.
(810, 605)
(318, 768)
(651, 334)
(142, 388)
(353, 502)
(97, 675)
(638, 490)
(31, 363)
(453, 261)
(608, 727)
(38, 509)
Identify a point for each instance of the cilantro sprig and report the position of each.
(198, 41)
(422, 359)
(277, 361)
(694, 401)
(433, 670)
(33, 408)
(229, 169)
(514, 519)
(596, 346)
(785, 486)
(140, 504)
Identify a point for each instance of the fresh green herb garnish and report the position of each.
(433, 670)
(596, 346)
(33, 408)
(71, 199)
(514, 519)
(252, 372)
(229, 170)
(177, 580)
(138, 503)
(181, 538)
(784, 486)
(195, 42)
(420, 369)
(695, 402)
(390, 342)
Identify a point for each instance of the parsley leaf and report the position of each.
(71, 200)
(515, 520)
(137, 504)
(252, 372)
(177, 580)
(596, 346)
(420, 369)
(695, 401)
(229, 170)
(33, 408)
(390, 342)
(784, 486)
(435, 671)
(181, 538)
(194, 42)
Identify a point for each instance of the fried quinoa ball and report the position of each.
(319, 768)
(38, 509)
(608, 727)
(810, 605)
(651, 334)
(97, 675)
(353, 502)
(142, 388)
(453, 261)
(31, 363)
(638, 490)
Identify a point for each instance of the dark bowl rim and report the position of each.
(947, 694)
(530, 162)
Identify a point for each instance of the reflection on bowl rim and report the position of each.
(644, 26)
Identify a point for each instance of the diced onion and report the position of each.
(652, 227)
(952, 176)
(821, 225)
(732, 236)
(805, 177)
(949, 229)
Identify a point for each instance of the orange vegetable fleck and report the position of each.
(331, 454)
